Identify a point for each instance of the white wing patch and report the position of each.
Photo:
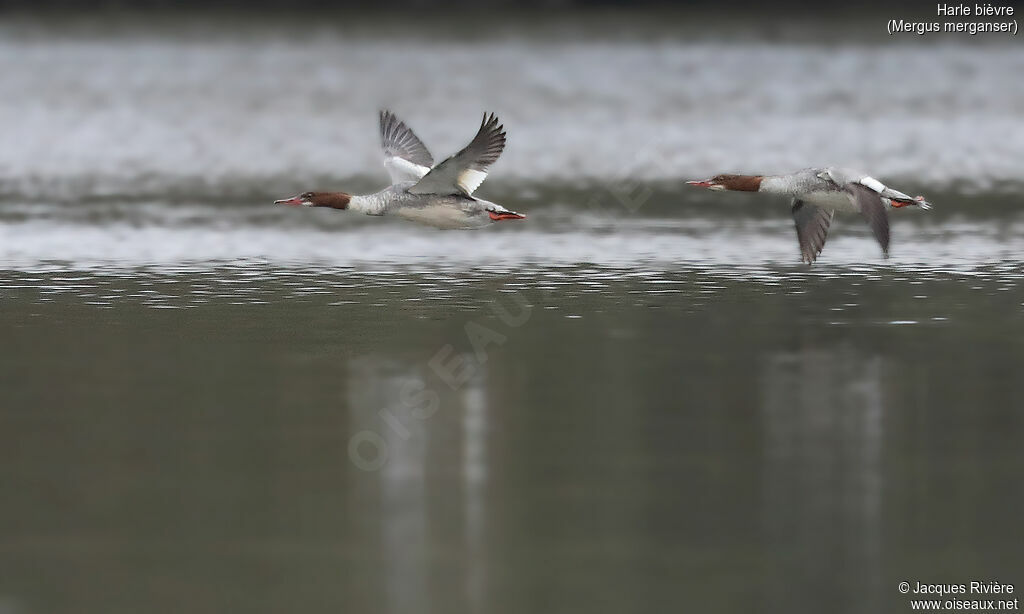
(402, 170)
(470, 179)
(873, 184)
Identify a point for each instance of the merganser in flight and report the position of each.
(440, 196)
(817, 194)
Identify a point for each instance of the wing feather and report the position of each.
(812, 224)
(465, 171)
(406, 158)
(873, 209)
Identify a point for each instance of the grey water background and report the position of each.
(658, 407)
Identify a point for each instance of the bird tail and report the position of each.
(505, 215)
(498, 213)
(916, 201)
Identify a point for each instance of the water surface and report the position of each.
(636, 400)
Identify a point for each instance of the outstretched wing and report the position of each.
(812, 223)
(465, 171)
(870, 204)
(406, 158)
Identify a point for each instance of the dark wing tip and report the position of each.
(397, 139)
(809, 255)
(812, 226)
(491, 123)
(489, 142)
(387, 122)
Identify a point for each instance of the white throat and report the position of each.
(371, 204)
(776, 184)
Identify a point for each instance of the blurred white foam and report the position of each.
(607, 242)
(265, 113)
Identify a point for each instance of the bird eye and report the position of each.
(307, 195)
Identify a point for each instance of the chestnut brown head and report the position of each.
(739, 183)
(334, 200)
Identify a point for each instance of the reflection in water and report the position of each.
(474, 478)
(822, 419)
(375, 403)
(416, 444)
